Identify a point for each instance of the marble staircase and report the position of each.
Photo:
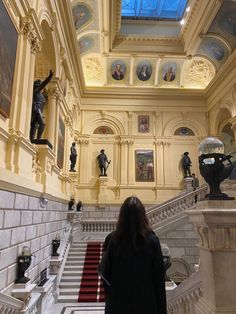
(71, 277)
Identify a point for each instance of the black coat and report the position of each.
(137, 279)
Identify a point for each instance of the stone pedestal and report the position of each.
(188, 184)
(47, 294)
(102, 195)
(55, 265)
(23, 292)
(216, 227)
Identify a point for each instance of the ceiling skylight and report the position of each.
(153, 9)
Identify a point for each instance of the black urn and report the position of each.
(23, 263)
(215, 167)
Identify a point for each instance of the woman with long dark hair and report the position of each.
(135, 279)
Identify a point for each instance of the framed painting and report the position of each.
(144, 166)
(143, 124)
(8, 46)
(61, 143)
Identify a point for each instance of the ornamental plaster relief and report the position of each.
(93, 71)
(197, 72)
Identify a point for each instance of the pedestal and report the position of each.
(102, 195)
(55, 265)
(216, 227)
(47, 294)
(42, 142)
(23, 292)
(188, 184)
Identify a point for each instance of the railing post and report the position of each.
(215, 222)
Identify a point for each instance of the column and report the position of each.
(215, 222)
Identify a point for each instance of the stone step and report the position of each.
(72, 271)
(69, 291)
(69, 285)
(74, 262)
(73, 266)
(67, 299)
(70, 278)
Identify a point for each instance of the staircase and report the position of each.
(80, 281)
(72, 274)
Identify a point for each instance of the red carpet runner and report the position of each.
(91, 289)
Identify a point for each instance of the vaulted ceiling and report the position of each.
(161, 54)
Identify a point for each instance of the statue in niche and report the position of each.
(103, 163)
(73, 157)
(39, 99)
(186, 164)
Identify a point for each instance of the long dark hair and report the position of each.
(132, 226)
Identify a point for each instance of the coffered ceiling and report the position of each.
(145, 54)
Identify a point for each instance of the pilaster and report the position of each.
(83, 165)
(124, 162)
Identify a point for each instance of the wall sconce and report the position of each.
(23, 263)
(43, 202)
(55, 245)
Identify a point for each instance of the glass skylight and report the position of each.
(153, 9)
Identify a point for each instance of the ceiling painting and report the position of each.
(215, 49)
(89, 43)
(110, 56)
(224, 23)
(144, 72)
(118, 72)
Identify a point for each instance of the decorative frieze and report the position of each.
(217, 237)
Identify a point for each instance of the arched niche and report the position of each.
(177, 123)
(46, 58)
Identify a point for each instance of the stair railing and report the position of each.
(156, 214)
(184, 297)
(9, 304)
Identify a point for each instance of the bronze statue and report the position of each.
(103, 163)
(186, 164)
(37, 120)
(73, 157)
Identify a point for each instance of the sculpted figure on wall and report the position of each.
(39, 99)
(103, 163)
(73, 157)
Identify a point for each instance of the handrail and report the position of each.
(183, 298)
(156, 213)
(9, 304)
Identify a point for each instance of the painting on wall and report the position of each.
(144, 166)
(144, 70)
(143, 124)
(8, 46)
(118, 70)
(214, 49)
(89, 43)
(169, 71)
(103, 130)
(82, 15)
(183, 131)
(227, 22)
(61, 143)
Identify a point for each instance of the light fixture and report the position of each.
(182, 21)
(188, 9)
